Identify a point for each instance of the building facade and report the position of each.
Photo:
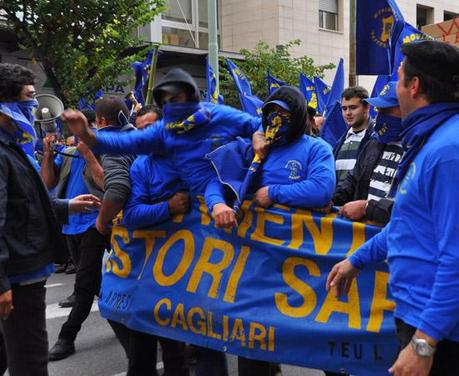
(323, 26)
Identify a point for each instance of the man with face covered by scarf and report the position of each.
(188, 131)
(364, 193)
(29, 233)
(299, 169)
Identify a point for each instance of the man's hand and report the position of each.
(103, 228)
(79, 126)
(224, 216)
(6, 304)
(84, 204)
(409, 363)
(354, 210)
(137, 107)
(179, 203)
(261, 197)
(340, 277)
(47, 144)
(259, 144)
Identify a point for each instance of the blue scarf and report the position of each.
(181, 118)
(417, 128)
(21, 113)
(387, 128)
(276, 128)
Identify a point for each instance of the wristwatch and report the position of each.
(421, 347)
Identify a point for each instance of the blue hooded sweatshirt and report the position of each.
(153, 181)
(186, 150)
(421, 241)
(299, 173)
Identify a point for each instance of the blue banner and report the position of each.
(308, 89)
(257, 291)
(377, 22)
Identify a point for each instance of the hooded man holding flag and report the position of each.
(298, 171)
(420, 243)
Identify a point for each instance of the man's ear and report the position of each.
(102, 122)
(415, 87)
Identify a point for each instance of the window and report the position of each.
(424, 16)
(449, 16)
(178, 10)
(328, 14)
(185, 23)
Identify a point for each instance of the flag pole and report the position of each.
(213, 38)
(151, 74)
(352, 43)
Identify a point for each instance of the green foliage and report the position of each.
(263, 58)
(83, 45)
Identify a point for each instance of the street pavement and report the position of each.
(98, 352)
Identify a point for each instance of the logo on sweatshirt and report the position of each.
(409, 176)
(295, 168)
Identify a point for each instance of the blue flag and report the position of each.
(337, 87)
(273, 83)
(322, 92)
(334, 125)
(377, 22)
(141, 76)
(308, 89)
(85, 104)
(236, 167)
(408, 34)
(250, 103)
(212, 94)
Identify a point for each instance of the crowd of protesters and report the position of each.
(398, 170)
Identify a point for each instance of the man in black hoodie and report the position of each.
(298, 170)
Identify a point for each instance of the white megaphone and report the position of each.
(49, 109)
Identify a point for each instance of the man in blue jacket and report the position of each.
(188, 131)
(157, 193)
(421, 241)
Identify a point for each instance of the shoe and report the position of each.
(60, 268)
(68, 302)
(62, 349)
(70, 269)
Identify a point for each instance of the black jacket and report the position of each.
(357, 183)
(117, 182)
(29, 232)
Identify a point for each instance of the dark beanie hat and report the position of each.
(174, 81)
(436, 59)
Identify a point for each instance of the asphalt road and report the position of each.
(98, 352)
